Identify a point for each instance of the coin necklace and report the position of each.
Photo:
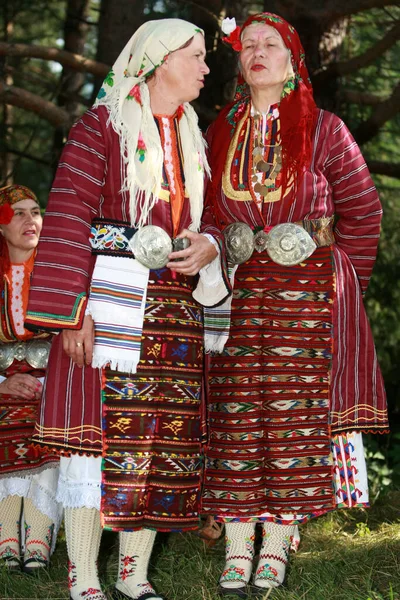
(270, 167)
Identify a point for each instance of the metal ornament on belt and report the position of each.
(239, 242)
(151, 246)
(35, 352)
(289, 244)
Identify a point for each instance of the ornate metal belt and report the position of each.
(150, 245)
(287, 244)
(35, 352)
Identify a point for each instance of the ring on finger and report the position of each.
(79, 344)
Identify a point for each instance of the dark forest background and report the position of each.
(55, 53)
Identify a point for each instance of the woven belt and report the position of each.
(35, 352)
(287, 244)
(150, 245)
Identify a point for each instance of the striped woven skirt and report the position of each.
(18, 458)
(268, 406)
(152, 428)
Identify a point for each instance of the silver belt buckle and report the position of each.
(239, 242)
(35, 352)
(6, 355)
(289, 244)
(151, 246)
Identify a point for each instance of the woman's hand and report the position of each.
(199, 254)
(78, 343)
(22, 385)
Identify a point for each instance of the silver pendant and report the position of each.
(151, 246)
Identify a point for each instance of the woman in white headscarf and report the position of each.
(135, 159)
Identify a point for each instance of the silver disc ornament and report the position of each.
(37, 353)
(239, 242)
(289, 244)
(151, 246)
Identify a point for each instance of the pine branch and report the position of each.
(383, 112)
(342, 68)
(359, 97)
(15, 96)
(21, 154)
(67, 59)
(381, 168)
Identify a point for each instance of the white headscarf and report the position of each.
(133, 120)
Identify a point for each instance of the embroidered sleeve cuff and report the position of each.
(36, 320)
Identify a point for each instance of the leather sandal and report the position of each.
(11, 563)
(211, 531)
(43, 564)
(239, 592)
(118, 595)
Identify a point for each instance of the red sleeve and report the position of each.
(64, 261)
(356, 202)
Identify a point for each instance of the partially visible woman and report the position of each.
(297, 380)
(28, 479)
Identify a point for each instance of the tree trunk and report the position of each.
(118, 21)
(7, 160)
(75, 32)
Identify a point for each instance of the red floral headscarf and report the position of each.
(297, 107)
(10, 195)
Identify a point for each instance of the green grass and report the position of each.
(347, 555)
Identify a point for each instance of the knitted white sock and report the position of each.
(274, 555)
(134, 554)
(38, 536)
(239, 554)
(83, 535)
(10, 515)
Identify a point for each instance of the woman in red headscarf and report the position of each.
(28, 480)
(294, 379)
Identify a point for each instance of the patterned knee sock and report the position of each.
(134, 554)
(10, 515)
(83, 535)
(274, 555)
(38, 536)
(239, 554)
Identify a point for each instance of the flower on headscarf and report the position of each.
(135, 93)
(141, 147)
(228, 25)
(234, 39)
(6, 214)
(232, 33)
(102, 93)
(109, 79)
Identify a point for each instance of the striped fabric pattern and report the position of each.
(268, 405)
(18, 415)
(116, 302)
(337, 184)
(152, 459)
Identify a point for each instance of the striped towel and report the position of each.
(117, 301)
(217, 320)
